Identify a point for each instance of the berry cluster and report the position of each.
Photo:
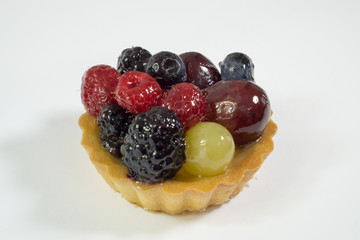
(160, 112)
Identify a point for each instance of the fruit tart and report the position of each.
(173, 134)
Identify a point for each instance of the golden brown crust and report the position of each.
(184, 192)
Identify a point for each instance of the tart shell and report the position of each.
(184, 192)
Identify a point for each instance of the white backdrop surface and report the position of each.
(306, 56)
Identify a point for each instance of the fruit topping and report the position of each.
(145, 111)
(200, 70)
(188, 102)
(113, 122)
(209, 149)
(153, 149)
(167, 68)
(241, 106)
(237, 66)
(162, 97)
(137, 92)
(133, 59)
(97, 88)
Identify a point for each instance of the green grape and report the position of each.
(209, 149)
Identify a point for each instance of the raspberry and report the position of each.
(97, 88)
(162, 97)
(137, 92)
(133, 59)
(153, 149)
(113, 122)
(188, 102)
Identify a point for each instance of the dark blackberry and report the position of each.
(237, 66)
(133, 59)
(113, 122)
(167, 68)
(153, 149)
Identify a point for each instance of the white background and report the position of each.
(306, 56)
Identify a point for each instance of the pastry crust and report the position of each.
(184, 192)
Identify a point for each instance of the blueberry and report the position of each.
(167, 68)
(133, 59)
(237, 66)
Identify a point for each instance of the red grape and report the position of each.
(240, 106)
(200, 70)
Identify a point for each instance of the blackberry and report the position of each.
(237, 66)
(167, 68)
(133, 59)
(113, 122)
(153, 149)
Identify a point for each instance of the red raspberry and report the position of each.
(162, 97)
(188, 102)
(137, 92)
(97, 88)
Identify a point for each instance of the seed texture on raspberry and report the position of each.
(113, 122)
(137, 92)
(153, 149)
(162, 97)
(188, 102)
(97, 88)
(133, 59)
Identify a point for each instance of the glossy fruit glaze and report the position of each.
(240, 106)
(137, 92)
(237, 66)
(167, 68)
(133, 59)
(188, 102)
(200, 70)
(97, 88)
(209, 149)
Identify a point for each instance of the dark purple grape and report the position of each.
(200, 70)
(240, 106)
